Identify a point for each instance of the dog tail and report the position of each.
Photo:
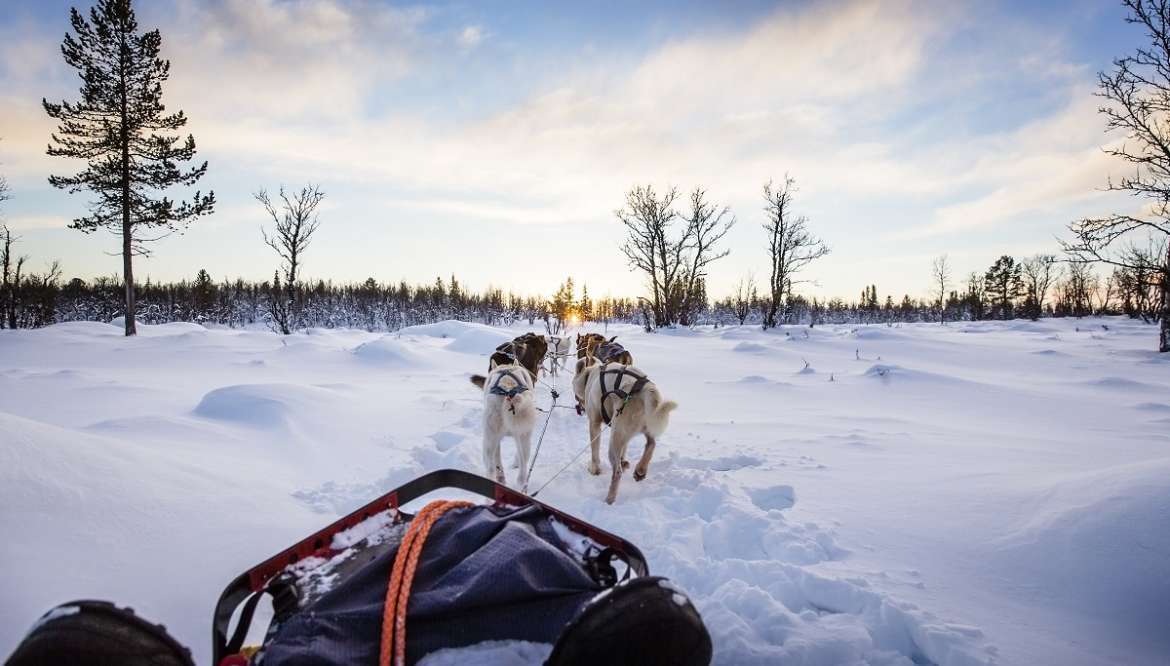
(478, 380)
(657, 410)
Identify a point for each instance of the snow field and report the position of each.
(987, 492)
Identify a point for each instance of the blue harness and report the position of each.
(516, 390)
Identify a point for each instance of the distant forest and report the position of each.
(34, 300)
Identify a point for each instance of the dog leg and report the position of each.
(644, 463)
(491, 456)
(595, 445)
(523, 450)
(618, 442)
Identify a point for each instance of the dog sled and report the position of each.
(384, 586)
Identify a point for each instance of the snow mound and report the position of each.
(388, 350)
(887, 371)
(773, 497)
(95, 328)
(151, 330)
(1122, 384)
(107, 519)
(750, 348)
(740, 333)
(1100, 539)
(877, 334)
(1154, 407)
(465, 337)
(262, 405)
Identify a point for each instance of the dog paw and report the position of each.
(594, 468)
(639, 475)
(625, 464)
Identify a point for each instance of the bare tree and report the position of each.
(1137, 94)
(675, 265)
(293, 228)
(648, 247)
(940, 272)
(745, 297)
(7, 291)
(1138, 286)
(706, 226)
(791, 247)
(1040, 272)
(11, 278)
(4, 195)
(1076, 291)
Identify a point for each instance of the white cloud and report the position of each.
(845, 96)
(471, 36)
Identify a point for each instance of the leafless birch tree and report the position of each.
(791, 247)
(293, 227)
(1040, 272)
(674, 265)
(706, 226)
(940, 273)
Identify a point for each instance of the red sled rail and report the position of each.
(319, 543)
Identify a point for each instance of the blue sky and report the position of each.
(494, 140)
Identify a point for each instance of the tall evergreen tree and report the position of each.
(1004, 283)
(121, 128)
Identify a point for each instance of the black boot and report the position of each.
(96, 633)
(646, 621)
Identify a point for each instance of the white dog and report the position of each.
(559, 347)
(508, 409)
(625, 399)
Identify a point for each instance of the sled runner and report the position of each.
(384, 586)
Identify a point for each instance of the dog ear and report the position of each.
(611, 339)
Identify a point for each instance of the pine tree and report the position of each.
(586, 305)
(1003, 281)
(121, 129)
(204, 295)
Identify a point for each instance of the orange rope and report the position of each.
(402, 577)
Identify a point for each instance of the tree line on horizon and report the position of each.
(134, 152)
(380, 306)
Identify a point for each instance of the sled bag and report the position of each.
(491, 572)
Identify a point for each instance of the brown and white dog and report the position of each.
(527, 350)
(624, 398)
(594, 347)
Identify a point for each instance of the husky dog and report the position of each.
(594, 347)
(558, 347)
(508, 409)
(625, 399)
(528, 350)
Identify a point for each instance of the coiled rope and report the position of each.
(402, 577)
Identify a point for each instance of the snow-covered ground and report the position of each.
(969, 493)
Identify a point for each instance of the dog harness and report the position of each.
(508, 349)
(516, 390)
(621, 371)
(610, 351)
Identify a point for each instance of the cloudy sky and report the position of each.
(494, 140)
